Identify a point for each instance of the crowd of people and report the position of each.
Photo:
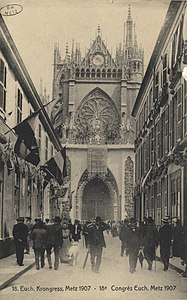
(58, 236)
(139, 241)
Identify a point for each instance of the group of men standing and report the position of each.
(137, 241)
(47, 236)
(142, 241)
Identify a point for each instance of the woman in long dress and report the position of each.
(66, 243)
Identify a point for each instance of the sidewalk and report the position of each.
(10, 271)
(174, 262)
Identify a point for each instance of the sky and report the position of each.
(42, 23)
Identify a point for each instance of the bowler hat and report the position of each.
(57, 219)
(150, 220)
(98, 219)
(132, 221)
(20, 219)
(38, 219)
(165, 220)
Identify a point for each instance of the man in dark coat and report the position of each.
(38, 236)
(30, 227)
(177, 237)
(54, 240)
(150, 241)
(134, 243)
(76, 231)
(20, 233)
(165, 240)
(122, 236)
(96, 242)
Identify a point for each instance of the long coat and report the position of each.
(20, 233)
(133, 239)
(165, 236)
(177, 240)
(95, 234)
(39, 236)
(54, 235)
(150, 241)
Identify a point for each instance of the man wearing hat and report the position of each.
(76, 231)
(165, 240)
(150, 241)
(30, 227)
(54, 240)
(133, 243)
(38, 236)
(96, 242)
(20, 233)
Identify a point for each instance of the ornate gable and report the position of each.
(98, 55)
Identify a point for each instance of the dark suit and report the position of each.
(165, 238)
(150, 242)
(96, 243)
(20, 233)
(76, 232)
(54, 240)
(133, 242)
(38, 236)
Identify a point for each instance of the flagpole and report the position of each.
(35, 112)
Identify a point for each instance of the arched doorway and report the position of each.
(97, 194)
(96, 200)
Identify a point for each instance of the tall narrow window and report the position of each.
(19, 106)
(165, 70)
(2, 85)
(156, 86)
(179, 115)
(171, 124)
(166, 143)
(152, 145)
(158, 139)
(150, 99)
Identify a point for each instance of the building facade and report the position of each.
(92, 116)
(161, 124)
(21, 192)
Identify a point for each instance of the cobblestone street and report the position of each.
(113, 282)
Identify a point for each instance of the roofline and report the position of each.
(10, 51)
(173, 8)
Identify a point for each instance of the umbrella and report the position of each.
(86, 258)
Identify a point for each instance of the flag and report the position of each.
(47, 176)
(26, 145)
(56, 167)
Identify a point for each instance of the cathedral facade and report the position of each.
(94, 96)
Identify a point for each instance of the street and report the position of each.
(113, 282)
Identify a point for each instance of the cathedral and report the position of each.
(95, 94)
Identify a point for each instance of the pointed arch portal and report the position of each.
(96, 200)
(97, 194)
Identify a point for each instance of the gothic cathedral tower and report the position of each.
(94, 96)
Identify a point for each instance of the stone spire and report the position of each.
(129, 29)
(72, 51)
(67, 54)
